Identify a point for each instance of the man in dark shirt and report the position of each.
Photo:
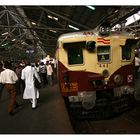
(43, 73)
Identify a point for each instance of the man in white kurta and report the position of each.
(30, 91)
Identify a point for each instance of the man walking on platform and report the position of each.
(30, 91)
(8, 77)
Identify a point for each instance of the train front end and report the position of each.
(95, 70)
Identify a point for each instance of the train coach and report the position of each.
(96, 71)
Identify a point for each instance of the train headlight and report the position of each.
(88, 99)
(105, 73)
(118, 79)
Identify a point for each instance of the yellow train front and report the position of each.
(96, 73)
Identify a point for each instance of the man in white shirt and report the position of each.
(8, 77)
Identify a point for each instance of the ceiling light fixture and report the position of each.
(33, 23)
(6, 33)
(51, 17)
(75, 28)
(90, 7)
(53, 31)
(14, 39)
(4, 44)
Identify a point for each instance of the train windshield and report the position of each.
(75, 52)
(103, 53)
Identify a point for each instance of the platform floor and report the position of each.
(50, 117)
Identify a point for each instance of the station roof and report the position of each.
(40, 26)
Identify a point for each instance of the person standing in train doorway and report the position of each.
(137, 66)
(30, 91)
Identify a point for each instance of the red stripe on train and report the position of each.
(104, 41)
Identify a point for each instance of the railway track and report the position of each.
(127, 122)
(104, 108)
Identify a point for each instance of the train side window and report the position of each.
(126, 53)
(103, 53)
(75, 52)
(130, 44)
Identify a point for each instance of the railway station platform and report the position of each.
(50, 117)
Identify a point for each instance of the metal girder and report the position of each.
(65, 18)
(41, 28)
(123, 14)
(8, 17)
(17, 29)
(41, 15)
(134, 27)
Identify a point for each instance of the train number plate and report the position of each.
(70, 87)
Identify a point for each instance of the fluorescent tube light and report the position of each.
(75, 28)
(4, 33)
(90, 7)
(52, 31)
(33, 23)
(13, 39)
(51, 17)
(4, 44)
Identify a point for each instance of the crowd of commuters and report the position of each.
(19, 79)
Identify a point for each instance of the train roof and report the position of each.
(92, 33)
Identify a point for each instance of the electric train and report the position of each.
(96, 71)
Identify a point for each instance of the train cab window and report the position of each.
(126, 52)
(75, 52)
(103, 53)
